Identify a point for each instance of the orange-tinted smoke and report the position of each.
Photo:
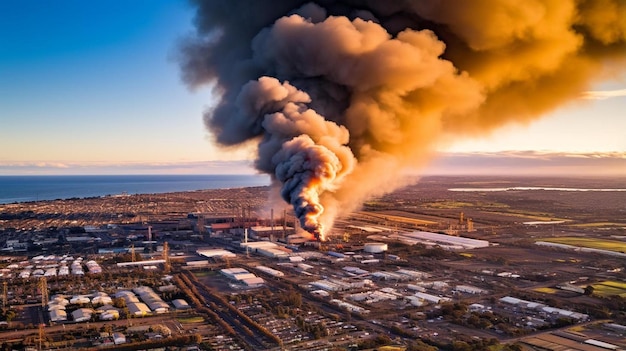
(389, 80)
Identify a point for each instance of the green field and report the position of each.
(593, 243)
(598, 224)
(188, 320)
(545, 290)
(535, 216)
(610, 288)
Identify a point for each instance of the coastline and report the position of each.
(21, 189)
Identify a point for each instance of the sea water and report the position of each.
(37, 188)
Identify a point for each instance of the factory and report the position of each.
(544, 309)
(215, 253)
(270, 271)
(448, 242)
(243, 277)
(266, 248)
(375, 248)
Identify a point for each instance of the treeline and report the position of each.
(155, 344)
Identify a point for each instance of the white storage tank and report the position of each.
(375, 247)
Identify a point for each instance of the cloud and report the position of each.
(103, 168)
(529, 163)
(603, 94)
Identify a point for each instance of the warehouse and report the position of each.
(214, 253)
(138, 309)
(108, 313)
(232, 273)
(58, 315)
(180, 304)
(151, 299)
(445, 241)
(270, 271)
(82, 315)
(253, 282)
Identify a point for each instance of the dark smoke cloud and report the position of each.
(341, 96)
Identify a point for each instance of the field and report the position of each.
(598, 224)
(594, 243)
(188, 320)
(546, 290)
(610, 288)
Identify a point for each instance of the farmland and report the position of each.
(593, 243)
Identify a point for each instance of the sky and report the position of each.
(93, 87)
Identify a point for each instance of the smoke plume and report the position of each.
(341, 96)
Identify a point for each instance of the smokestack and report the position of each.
(340, 96)
(272, 221)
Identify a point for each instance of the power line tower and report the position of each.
(166, 257)
(4, 296)
(42, 334)
(132, 252)
(43, 287)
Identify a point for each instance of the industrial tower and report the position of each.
(4, 296)
(166, 257)
(43, 286)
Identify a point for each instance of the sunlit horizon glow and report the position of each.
(104, 96)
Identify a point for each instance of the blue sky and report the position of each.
(93, 87)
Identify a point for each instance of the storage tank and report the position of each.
(375, 247)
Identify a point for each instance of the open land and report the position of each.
(423, 268)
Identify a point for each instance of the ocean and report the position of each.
(37, 188)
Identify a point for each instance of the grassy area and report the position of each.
(448, 204)
(202, 274)
(528, 215)
(546, 290)
(598, 224)
(609, 288)
(571, 260)
(594, 243)
(391, 348)
(400, 219)
(189, 320)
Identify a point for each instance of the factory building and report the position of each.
(151, 299)
(242, 276)
(254, 282)
(258, 232)
(181, 304)
(101, 298)
(266, 248)
(544, 308)
(375, 247)
(431, 298)
(138, 309)
(108, 313)
(232, 273)
(215, 253)
(445, 241)
(470, 289)
(140, 263)
(79, 300)
(271, 271)
(350, 307)
(58, 315)
(82, 315)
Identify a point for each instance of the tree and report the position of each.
(461, 346)
(419, 345)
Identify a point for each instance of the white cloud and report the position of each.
(529, 163)
(102, 168)
(603, 94)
